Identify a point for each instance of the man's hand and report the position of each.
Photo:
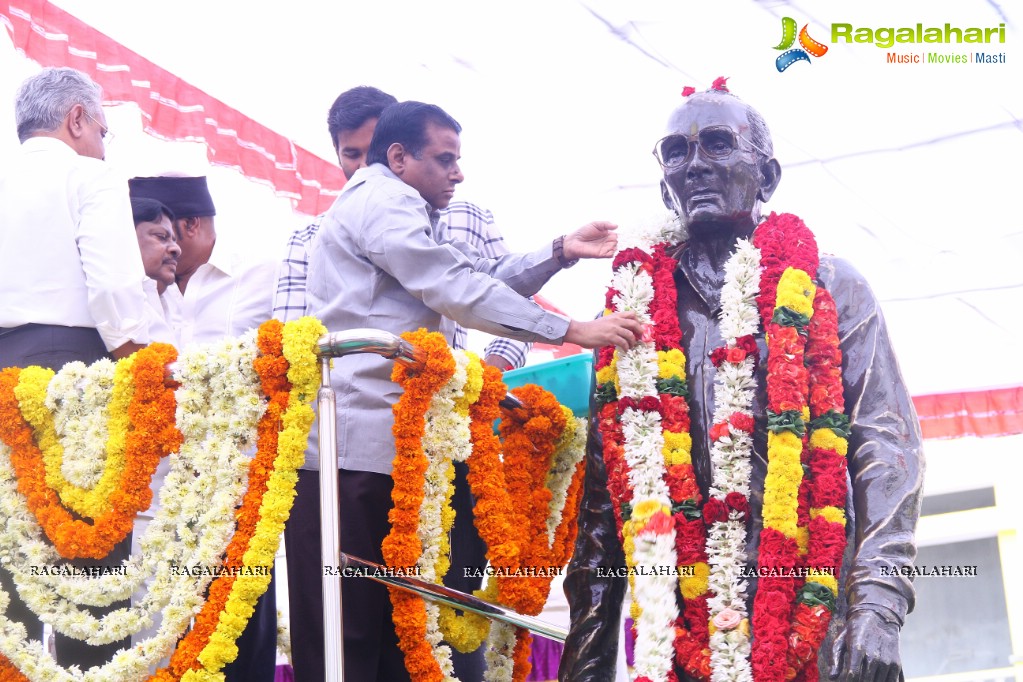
(593, 240)
(617, 329)
(125, 350)
(867, 649)
(495, 360)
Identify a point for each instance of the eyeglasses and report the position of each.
(716, 142)
(104, 132)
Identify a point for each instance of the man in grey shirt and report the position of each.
(380, 263)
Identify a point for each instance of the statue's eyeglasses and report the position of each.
(716, 142)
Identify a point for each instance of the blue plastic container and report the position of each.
(567, 378)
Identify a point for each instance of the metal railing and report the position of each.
(387, 345)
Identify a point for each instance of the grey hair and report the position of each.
(44, 99)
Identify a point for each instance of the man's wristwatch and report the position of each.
(559, 253)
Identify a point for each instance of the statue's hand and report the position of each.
(867, 649)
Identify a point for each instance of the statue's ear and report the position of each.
(770, 176)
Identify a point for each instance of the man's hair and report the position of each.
(144, 210)
(44, 100)
(405, 123)
(354, 107)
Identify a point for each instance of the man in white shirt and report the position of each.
(70, 271)
(218, 293)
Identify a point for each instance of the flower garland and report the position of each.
(183, 593)
(727, 509)
(402, 547)
(289, 378)
(450, 403)
(209, 383)
(650, 473)
(260, 519)
(154, 436)
(208, 390)
(530, 434)
(829, 434)
(468, 631)
(79, 417)
(542, 458)
(803, 516)
(565, 481)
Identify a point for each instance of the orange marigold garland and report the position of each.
(492, 513)
(530, 435)
(402, 548)
(153, 435)
(511, 512)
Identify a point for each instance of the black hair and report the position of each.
(144, 210)
(354, 107)
(405, 123)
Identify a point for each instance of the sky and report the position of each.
(909, 171)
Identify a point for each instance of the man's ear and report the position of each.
(397, 158)
(770, 176)
(186, 228)
(75, 121)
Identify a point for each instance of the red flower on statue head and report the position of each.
(719, 84)
(688, 90)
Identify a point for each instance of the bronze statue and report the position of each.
(718, 169)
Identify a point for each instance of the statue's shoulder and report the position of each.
(856, 302)
(835, 272)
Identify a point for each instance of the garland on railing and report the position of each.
(219, 391)
(526, 504)
(661, 516)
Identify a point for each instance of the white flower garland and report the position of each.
(735, 384)
(569, 451)
(76, 396)
(219, 406)
(500, 653)
(643, 444)
(446, 438)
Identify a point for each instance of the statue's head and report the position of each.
(718, 163)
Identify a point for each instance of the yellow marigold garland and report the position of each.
(32, 392)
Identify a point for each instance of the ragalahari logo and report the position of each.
(808, 46)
